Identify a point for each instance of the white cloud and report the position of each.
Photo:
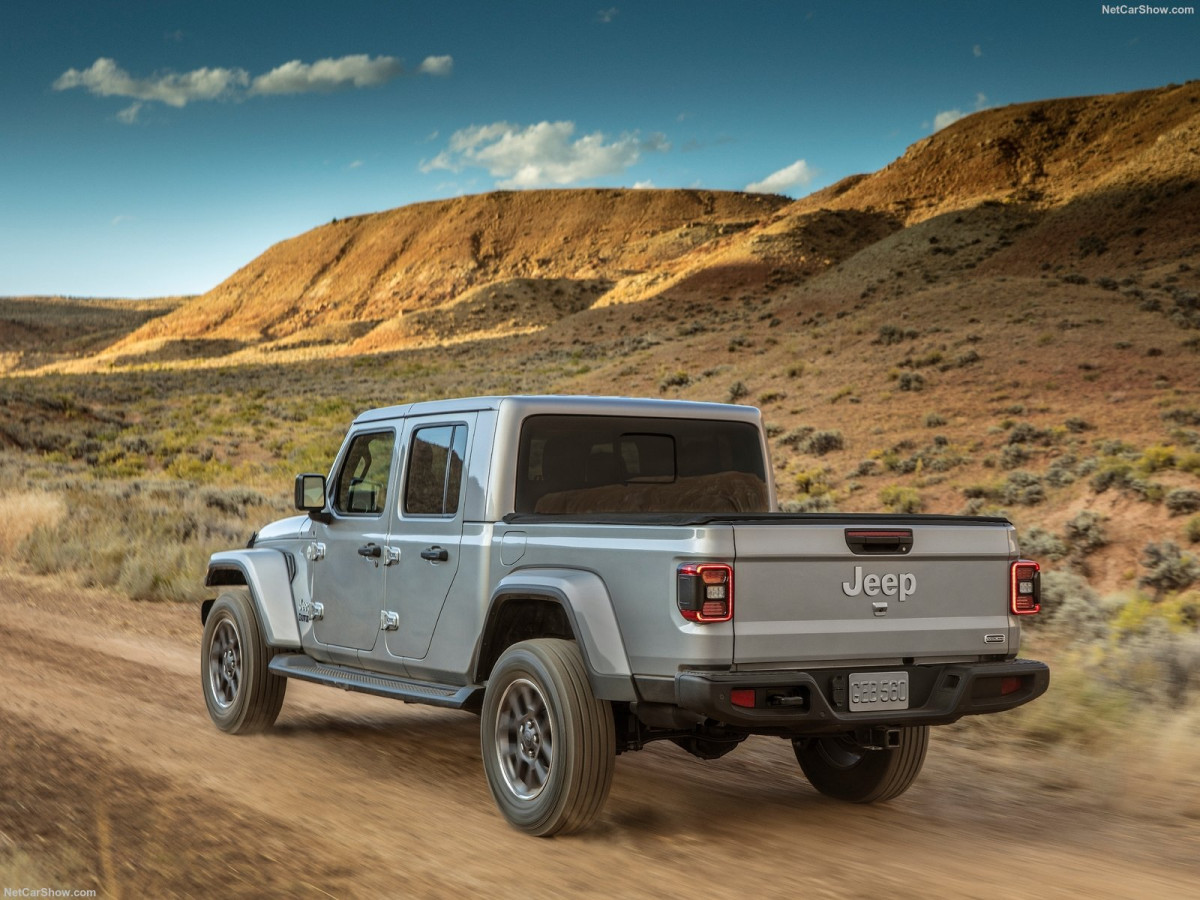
(977, 50)
(327, 75)
(947, 117)
(643, 185)
(950, 116)
(436, 65)
(106, 79)
(357, 164)
(543, 154)
(797, 174)
(129, 114)
(607, 15)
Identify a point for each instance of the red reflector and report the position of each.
(742, 697)
(1010, 684)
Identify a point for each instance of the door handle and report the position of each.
(435, 554)
(373, 551)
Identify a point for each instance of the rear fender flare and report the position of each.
(584, 598)
(267, 574)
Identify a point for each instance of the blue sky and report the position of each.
(152, 148)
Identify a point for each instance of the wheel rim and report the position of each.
(225, 664)
(524, 739)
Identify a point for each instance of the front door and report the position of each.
(348, 580)
(427, 531)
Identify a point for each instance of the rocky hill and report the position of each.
(1092, 183)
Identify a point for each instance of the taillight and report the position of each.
(704, 592)
(1025, 597)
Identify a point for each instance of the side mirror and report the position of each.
(310, 493)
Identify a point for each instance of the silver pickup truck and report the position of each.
(590, 575)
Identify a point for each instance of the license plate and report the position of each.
(878, 690)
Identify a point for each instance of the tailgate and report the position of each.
(885, 590)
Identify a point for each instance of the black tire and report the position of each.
(548, 744)
(839, 768)
(243, 696)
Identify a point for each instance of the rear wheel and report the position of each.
(242, 695)
(840, 768)
(548, 744)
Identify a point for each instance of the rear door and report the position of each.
(427, 531)
(876, 591)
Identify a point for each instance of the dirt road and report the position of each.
(112, 778)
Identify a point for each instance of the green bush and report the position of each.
(1039, 544)
(1085, 532)
(901, 499)
(1023, 488)
(1167, 568)
(1182, 500)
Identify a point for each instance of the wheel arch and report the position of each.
(267, 575)
(563, 603)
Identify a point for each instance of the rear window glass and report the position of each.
(615, 464)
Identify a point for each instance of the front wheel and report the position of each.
(839, 768)
(548, 744)
(242, 695)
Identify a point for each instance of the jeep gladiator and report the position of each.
(590, 575)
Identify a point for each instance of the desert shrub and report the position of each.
(1040, 544)
(1071, 606)
(1182, 500)
(797, 436)
(1167, 568)
(1028, 433)
(1023, 488)
(808, 504)
(674, 379)
(1157, 458)
(892, 334)
(1076, 425)
(1061, 472)
(1192, 529)
(1117, 472)
(1085, 532)
(1155, 650)
(912, 381)
(864, 468)
(901, 499)
(1013, 455)
(934, 420)
(737, 391)
(821, 442)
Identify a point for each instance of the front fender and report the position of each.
(585, 599)
(268, 575)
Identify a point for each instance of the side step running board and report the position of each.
(305, 668)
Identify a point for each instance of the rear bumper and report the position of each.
(814, 702)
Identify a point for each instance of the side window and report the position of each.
(435, 470)
(362, 482)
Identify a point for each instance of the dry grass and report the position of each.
(24, 513)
